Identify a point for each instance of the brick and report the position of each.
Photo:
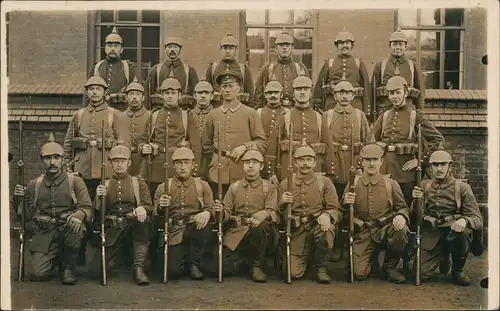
(444, 117)
(460, 110)
(44, 119)
(439, 124)
(65, 112)
(467, 117)
(483, 124)
(40, 112)
(471, 111)
(456, 117)
(462, 105)
(438, 110)
(60, 106)
(52, 112)
(433, 117)
(66, 119)
(450, 123)
(12, 118)
(17, 112)
(482, 111)
(480, 118)
(32, 118)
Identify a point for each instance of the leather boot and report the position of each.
(322, 276)
(195, 272)
(392, 274)
(444, 265)
(457, 265)
(257, 274)
(69, 262)
(140, 252)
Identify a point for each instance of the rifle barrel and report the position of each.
(103, 206)
(219, 214)
(166, 211)
(20, 207)
(289, 206)
(418, 207)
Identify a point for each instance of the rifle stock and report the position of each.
(288, 232)
(103, 209)
(219, 214)
(166, 211)
(20, 208)
(418, 207)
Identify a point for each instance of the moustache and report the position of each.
(274, 97)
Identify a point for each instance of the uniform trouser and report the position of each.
(407, 189)
(456, 243)
(364, 246)
(140, 233)
(339, 244)
(91, 185)
(190, 251)
(64, 245)
(316, 250)
(214, 186)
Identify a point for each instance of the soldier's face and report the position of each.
(52, 163)
(305, 165)
(397, 97)
(302, 94)
(230, 90)
(398, 48)
(344, 97)
(183, 168)
(440, 170)
(120, 166)
(228, 51)
(135, 99)
(372, 165)
(113, 50)
(172, 51)
(95, 93)
(203, 98)
(170, 97)
(344, 47)
(273, 97)
(252, 168)
(284, 49)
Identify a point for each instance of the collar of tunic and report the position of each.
(277, 107)
(205, 110)
(233, 110)
(113, 60)
(57, 181)
(139, 112)
(342, 109)
(301, 109)
(285, 61)
(398, 60)
(185, 183)
(373, 179)
(122, 177)
(254, 183)
(344, 55)
(305, 179)
(100, 107)
(228, 61)
(173, 63)
(402, 108)
(445, 182)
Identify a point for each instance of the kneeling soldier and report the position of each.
(190, 203)
(314, 217)
(380, 217)
(57, 206)
(451, 220)
(128, 204)
(250, 209)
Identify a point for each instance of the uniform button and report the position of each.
(119, 187)
(119, 182)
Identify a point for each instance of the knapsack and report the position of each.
(410, 63)
(319, 122)
(199, 189)
(79, 116)
(125, 68)
(38, 188)
(186, 71)
(413, 118)
(265, 187)
(458, 197)
(135, 187)
(330, 63)
(270, 70)
(154, 118)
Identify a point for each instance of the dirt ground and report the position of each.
(241, 293)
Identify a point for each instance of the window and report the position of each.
(140, 31)
(436, 43)
(262, 28)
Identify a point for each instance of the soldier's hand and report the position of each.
(349, 198)
(101, 190)
(459, 225)
(287, 197)
(165, 200)
(202, 219)
(19, 190)
(398, 222)
(218, 207)
(74, 224)
(238, 152)
(147, 149)
(408, 166)
(274, 180)
(258, 217)
(324, 221)
(140, 213)
(417, 193)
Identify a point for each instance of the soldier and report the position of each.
(397, 63)
(307, 124)
(380, 217)
(137, 116)
(115, 71)
(203, 95)
(333, 70)
(190, 206)
(314, 217)
(240, 129)
(228, 45)
(451, 221)
(128, 204)
(273, 111)
(284, 70)
(57, 206)
(173, 67)
(181, 128)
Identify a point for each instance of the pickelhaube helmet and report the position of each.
(302, 81)
(344, 35)
(170, 83)
(253, 154)
(371, 151)
(183, 153)
(343, 85)
(119, 152)
(398, 36)
(113, 37)
(228, 39)
(304, 150)
(440, 156)
(396, 82)
(284, 37)
(173, 40)
(203, 86)
(51, 147)
(96, 80)
(134, 86)
(273, 86)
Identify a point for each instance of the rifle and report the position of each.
(278, 156)
(148, 160)
(288, 232)
(352, 175)
(219, 214)
(374, 108)
(103, 208)
(20, 208)
(165, 211)
(418, 207)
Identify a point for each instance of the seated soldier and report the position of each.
(128, 204)
(380, 217)
(56, 208)
(451, 221)
(250, 209)
(314, 217)
(189, 201)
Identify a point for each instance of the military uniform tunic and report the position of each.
(137, 124)
(200, 116)
(270, 118)
(174, 69)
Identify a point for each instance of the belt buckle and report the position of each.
(391, 148)
(344, 147)
(93, 143)
(53, 220)
(180, 222)
(119, 220)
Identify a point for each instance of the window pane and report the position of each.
(127, 16)
(303, 16)
(129, 54)
(431, 79)
(304, 56)
(273, 55)
(255, 17)
(280, 17)
(151, 55)
(454, 17)
(302, 38)
(411, 55)
(452, 40)
(429, 40)
(412, 38)
(452, 60)
(452, 79)
(129, 36)
(407, 17)
(430, 17)
(106, 16)
(256, 60)
(151, 37)
(255, 38)
(429, 60)
(151, 17)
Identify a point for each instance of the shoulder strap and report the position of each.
(158, 70)
(106, 182)
(413, 117)
(329, 117)
(382, 69)
(259, 112)
(111, 114)
(321, 184)
(186, 71)
(170, 185)
(242, 69)
(214, 66)
(330, 63)
(234, 186)
(184, 115)
(319, 123)
(412, 70)
(135, 186)
(96, 67)
(357, 62)
(384, 120)
(388, 188)
(199, 190)
(287, 121)
(270, 71)
(78, 119)
(126, 69)
(427, 188)
(71, 182)
(38, 187)
(458, 197)
(299, 69)
(154, 118)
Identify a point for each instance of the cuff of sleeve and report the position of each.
(405, 217)
(80, 214)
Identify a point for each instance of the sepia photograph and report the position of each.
(249, 155)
